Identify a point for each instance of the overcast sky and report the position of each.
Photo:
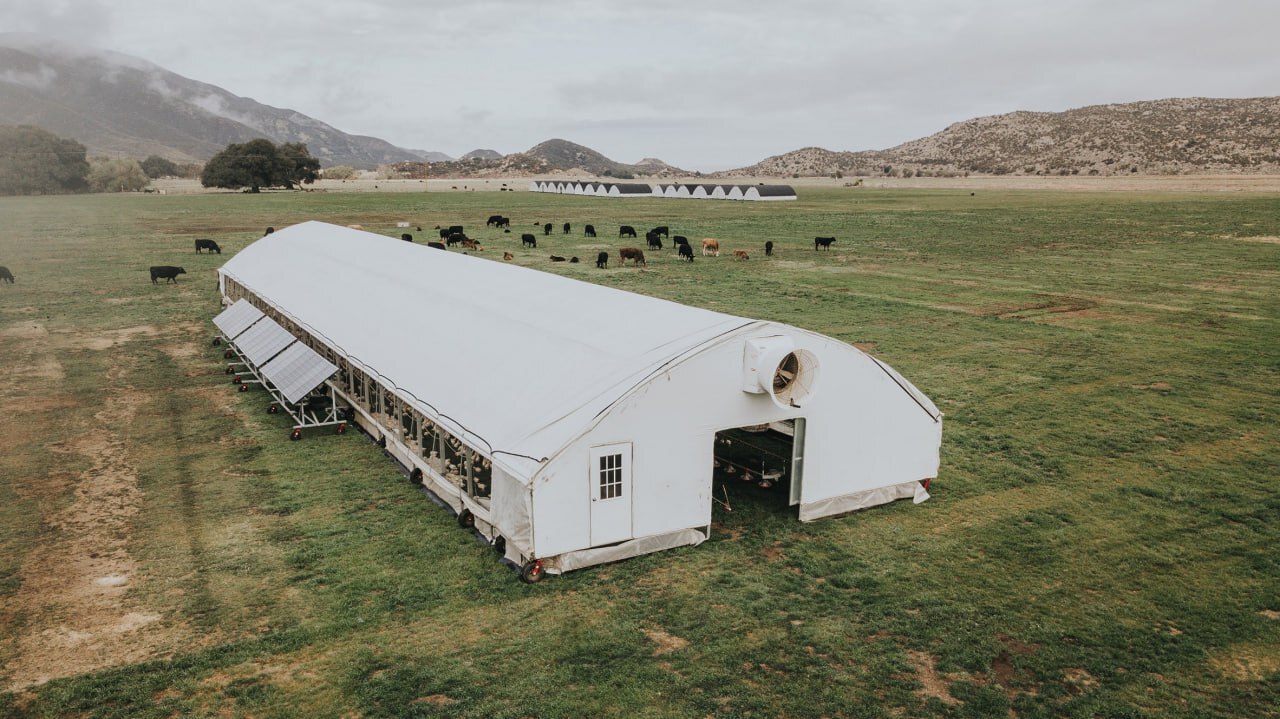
(703, 85)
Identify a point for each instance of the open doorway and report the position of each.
(761, 465)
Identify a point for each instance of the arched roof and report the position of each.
(520, 360)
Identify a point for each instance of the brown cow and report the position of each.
(631, 253)
(710, 247)
(508, 256)
(741, 254)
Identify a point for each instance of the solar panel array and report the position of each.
(263, 341)
(297, 370)
(237, 318)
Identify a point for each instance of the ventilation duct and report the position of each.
(773, 366)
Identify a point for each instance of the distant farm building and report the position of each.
(671, 190)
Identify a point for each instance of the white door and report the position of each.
(610, 487)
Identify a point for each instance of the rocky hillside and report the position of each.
(481, 154)
(118, 104)
(544, 158)
(1179, 136)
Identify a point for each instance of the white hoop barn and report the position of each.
(574, 424)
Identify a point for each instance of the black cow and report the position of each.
(209, 245)
(686, 252)
(455, 238)
(167, 272)
(654, 240)
(6, 275)
(602, 260)
(768, 248)
(546, 229)
(437, 245)
(455, 229)
(444, 233)
(557, 258)
(528, 240)
(823, 242)
(661, 231)
(503, 222)
(566, 228)
(493, 220)
(406, 237)
(626, 231)
(589, 231)
(269, 231)
(573, 260)
(679, 241)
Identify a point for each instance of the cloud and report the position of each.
(42, 78)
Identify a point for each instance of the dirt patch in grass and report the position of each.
(666, 643)
(1078, 680)
(1246, 662)
(110, 338)
(1270, 613)
(1264, 239)
(933, 684)
(73, 594)
(435, 700)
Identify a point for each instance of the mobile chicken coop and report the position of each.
(573, 424)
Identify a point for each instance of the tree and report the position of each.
(37, 162)
(108, 175)
(259, 163)
(156, 166)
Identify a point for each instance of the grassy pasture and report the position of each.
(1101, 541)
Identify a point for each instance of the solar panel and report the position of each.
(263, 341)
(237, 318)
(297, 371)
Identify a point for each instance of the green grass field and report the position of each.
(1101, 542)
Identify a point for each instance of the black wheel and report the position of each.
(466, 519)
(230, 369)
(244, 388)
(342, 428)
(531, 572)
(500, 545)
(295, 435)
(226, 355)
(416, 475)
(273, 408)
(217, 341)
(382, 442)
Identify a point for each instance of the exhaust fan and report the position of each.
(773, 366)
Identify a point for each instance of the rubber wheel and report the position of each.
(531, 572)
(466, 519)
(416, 475)
(500, 545)
(382, 442)
(342, 428)
(217, 341)
(295, 435)
(272, 409)
(226, 355)
(244, 388)
(230, 370)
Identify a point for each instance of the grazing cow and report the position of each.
(437, 245)
(661, 231)
(503, 222)
(686, 252)
(573, 260)
(631, 253)
(169, 273)
(444, 233)
(710, 247)
(679, 240)
(546, 229)
(528, 240)
(508, 256)
(406, 237)
(471, 244)
(823, 242)
(741, 254)
(768, 248)
(589, 231)
(455, 238)
(269, 231)
(557, 258)
(654, 240)
(566, 228)
(455, 229)
(626, 231)
(602, 260)
(209, 245)
(6, 275)
(493, 220)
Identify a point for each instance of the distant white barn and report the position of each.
(610, 437)
(718, 192)
(733, 193)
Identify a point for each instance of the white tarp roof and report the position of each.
(521, 359)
